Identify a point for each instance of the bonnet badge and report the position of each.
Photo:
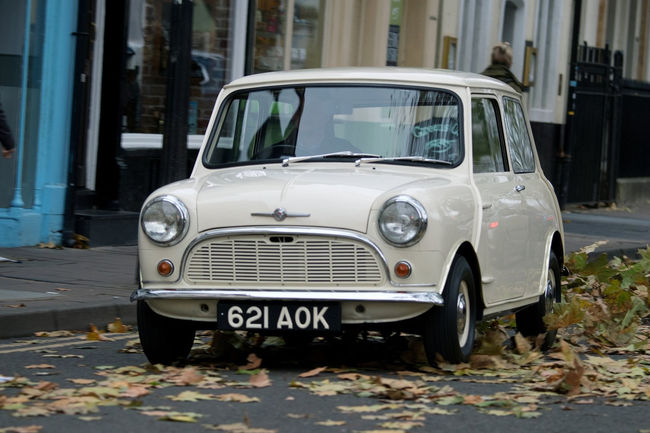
(280, 214)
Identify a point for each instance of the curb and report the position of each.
(21, 324)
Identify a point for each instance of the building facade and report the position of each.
(85, 82)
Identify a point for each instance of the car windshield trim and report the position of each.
(345, 154)
(433, 130)
(402, 158)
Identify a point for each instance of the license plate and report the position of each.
(288, 316)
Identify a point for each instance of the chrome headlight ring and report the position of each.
(165, 220)
(402, 221)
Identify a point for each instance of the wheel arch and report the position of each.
(467, 251)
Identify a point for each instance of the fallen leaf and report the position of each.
(439, 411)
(135, 391)
(22, 429)
(50, 245)
(184, 377)
(312, 373)
(401, 425)
(192, 396)
(352, 376)
(298, 415)
(472, 399)
(40, 366)
(28, 411)
(260, 380)
(381, 431)
(46, 386)
(117, 327)
(522, 345)
(237, 428)
(584, 401)
(238, 398)
(331, 423)
(253, 362)
(174, 416)
(370, 408)
(96, 335)
(54, 334)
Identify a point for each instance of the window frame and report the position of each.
(509, 145)
(500, 127)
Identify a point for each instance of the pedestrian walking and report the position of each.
(499, 68)
(6, 139)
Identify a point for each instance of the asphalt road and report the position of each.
(283, 406)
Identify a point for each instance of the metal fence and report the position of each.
(593, 127)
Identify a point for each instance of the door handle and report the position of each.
(520, 188)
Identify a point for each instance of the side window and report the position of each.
(521, 150)
(487, 148)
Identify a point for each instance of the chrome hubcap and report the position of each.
(549, 293)
(462, 314)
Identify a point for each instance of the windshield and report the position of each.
(278, 123)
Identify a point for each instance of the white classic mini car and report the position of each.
(334, 198)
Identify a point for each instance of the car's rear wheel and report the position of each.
(530, 320)
(449, 330)
(163, 340)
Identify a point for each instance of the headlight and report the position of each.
(165, 220)
(402, 221)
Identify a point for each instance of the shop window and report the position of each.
(147, 57)
(282, 44)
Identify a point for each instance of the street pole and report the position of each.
(76, 165)
(568, 138)
(174, 151)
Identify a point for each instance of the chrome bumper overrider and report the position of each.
(418, 297)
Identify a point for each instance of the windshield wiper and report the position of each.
(344, 154)
(358, 162)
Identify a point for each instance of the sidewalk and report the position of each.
(50, 289)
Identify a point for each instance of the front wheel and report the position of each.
(163, 340)
(530, 320)
(449, 330)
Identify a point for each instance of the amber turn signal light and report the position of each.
(403, 269)
(165, 267)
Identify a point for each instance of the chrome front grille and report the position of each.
(291, 260)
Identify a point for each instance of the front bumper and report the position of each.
(200, 305)
(289, 295)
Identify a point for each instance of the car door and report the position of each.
(532, 191)
(502, 225)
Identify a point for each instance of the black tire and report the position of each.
(530, 320)
(163, 340)
(449, 330)
(136, 277)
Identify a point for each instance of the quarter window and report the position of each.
(521, 150)
(487, 148)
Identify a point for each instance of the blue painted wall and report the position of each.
(43, 222)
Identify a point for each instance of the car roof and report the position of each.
(369, 75)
